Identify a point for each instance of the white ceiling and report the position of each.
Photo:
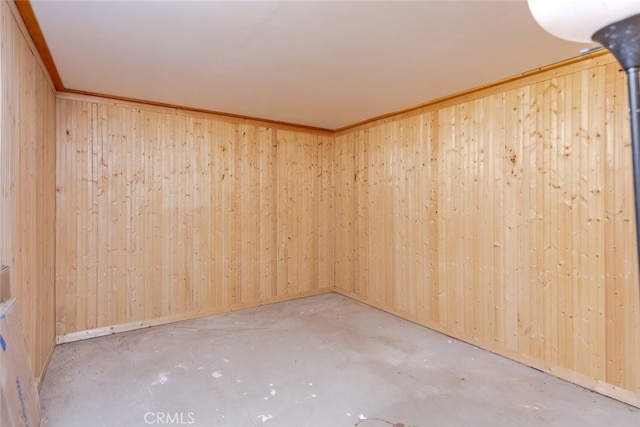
(325, 64)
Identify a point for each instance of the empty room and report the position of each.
(319, 213)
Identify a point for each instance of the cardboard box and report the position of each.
(19, 404)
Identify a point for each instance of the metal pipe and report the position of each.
(634, 109)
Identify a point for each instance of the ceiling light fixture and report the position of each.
(615, 24)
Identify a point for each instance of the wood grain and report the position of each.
(165, 214)
(523, 194)
(27, 184)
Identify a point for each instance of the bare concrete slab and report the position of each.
(324, 361)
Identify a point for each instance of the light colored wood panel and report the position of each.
(360, 187)
(27, 186)
(82, 210)
(541, 226)
(472, 270)
(579, 299)
(593, 261)
(148, 182)
(390, 187)
(297, 163)
(411, 185)
(25, 20)
(93, 176)
(326, 257)
(484, 248)
(182, 214)
(66, 264)
(380, 212)
(431, 311)
(531, 230)
(497, 137)
(443, 188)
(101, 208)
(566, 272)
(255, 214)
(346, 177)
(462, 309)
(529, 172)
(397, 250)
(515, 244)
(267, 145)
(249, 175)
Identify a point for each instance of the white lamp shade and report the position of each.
(578, 20)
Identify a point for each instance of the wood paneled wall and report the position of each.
(27, 184)
(165, 214)
(504, 218)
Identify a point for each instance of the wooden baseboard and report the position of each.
(131, 326)
(45, 365)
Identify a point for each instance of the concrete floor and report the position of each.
(321, 361)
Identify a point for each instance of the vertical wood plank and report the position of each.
(28, 184)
